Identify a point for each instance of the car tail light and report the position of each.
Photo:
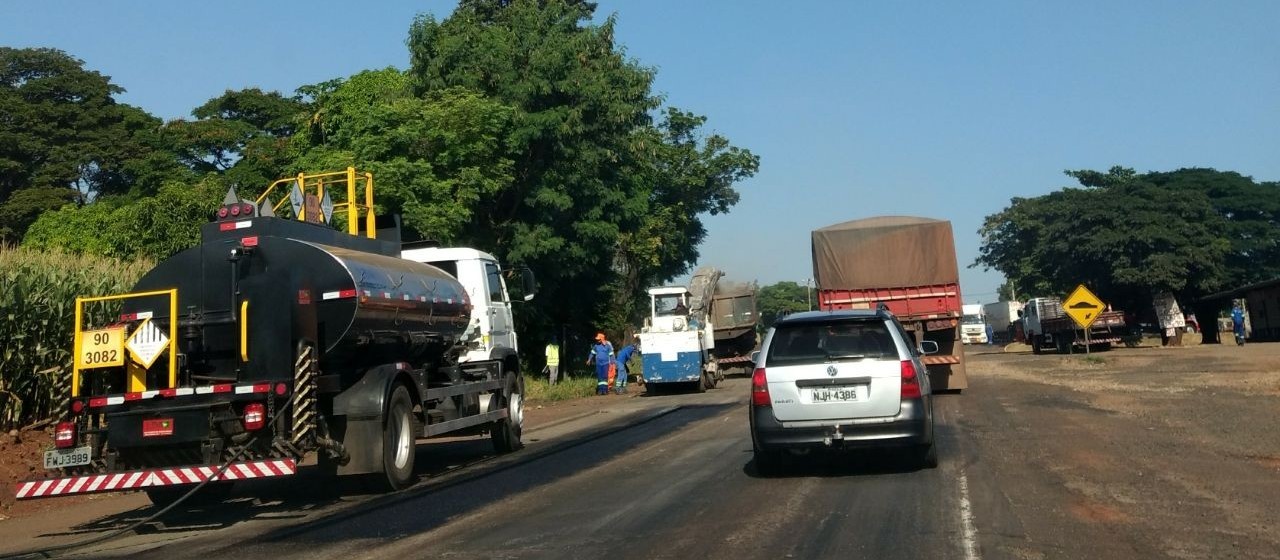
(255, 416)
(64, 435)
(760, 388)
(910, 382)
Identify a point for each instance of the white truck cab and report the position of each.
(973, 326)
(668, 309)
(492, 328)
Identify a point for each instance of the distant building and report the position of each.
(1262, 308)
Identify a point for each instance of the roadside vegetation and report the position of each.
(540, 390)
(38, 291)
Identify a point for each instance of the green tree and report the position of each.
(153, 227)
(778, 300)
(601, 201)
(1123, 235)
(243, 134)
(578, 103)
(63, 137)
(1251, 218)
(682, 175)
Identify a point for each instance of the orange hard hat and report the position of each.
(599, 336)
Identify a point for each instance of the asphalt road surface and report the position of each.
(1030, 468)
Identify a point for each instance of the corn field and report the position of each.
(37, 312)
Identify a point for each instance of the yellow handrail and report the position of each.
(317, 183)
(244, 331)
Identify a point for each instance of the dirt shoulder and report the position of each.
(1143, 452)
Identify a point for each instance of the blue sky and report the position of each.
(856, 108)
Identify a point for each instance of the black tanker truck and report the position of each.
(276, 338)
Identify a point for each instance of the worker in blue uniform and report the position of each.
(624, 356)
(602, 356)
(1237, 324)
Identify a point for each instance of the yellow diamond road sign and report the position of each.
(1083, 306)
(146, 343)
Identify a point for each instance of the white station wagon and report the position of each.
(840, 380)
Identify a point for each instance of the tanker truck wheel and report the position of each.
(398, 440)
(506, 432)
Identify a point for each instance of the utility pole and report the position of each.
(808, 293)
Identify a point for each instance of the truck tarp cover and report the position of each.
(884, 252)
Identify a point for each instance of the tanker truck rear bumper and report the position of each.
(163, 438)
(150, 478)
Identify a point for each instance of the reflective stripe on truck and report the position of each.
(133, 480)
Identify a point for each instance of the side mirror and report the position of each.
(755, 356)
(528, 283)
(928, 347)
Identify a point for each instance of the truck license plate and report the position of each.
(61, 458)
(847, 393)
(157, 427)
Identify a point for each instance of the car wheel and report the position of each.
(927, 456)
(768, 463)
(398, 439)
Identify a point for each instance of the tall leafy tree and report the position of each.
(597, 191)
(1251, 218)
(683, 175)
(439, 161)
(577, 102)
(243, 134)
(63, 137)
(1124, 234)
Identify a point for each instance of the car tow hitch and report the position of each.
(835, 436)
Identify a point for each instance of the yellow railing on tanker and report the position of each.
(317, 184)
(136, 376)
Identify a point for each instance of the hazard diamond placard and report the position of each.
(146, 343)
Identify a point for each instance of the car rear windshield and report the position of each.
(815, 343)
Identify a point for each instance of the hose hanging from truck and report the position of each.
(275, 417)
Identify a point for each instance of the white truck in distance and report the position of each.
(973, 329)
(1000, 315)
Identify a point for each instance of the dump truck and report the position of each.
(277, 338)
(735, 320)
(1046, 326)
(907, 265)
